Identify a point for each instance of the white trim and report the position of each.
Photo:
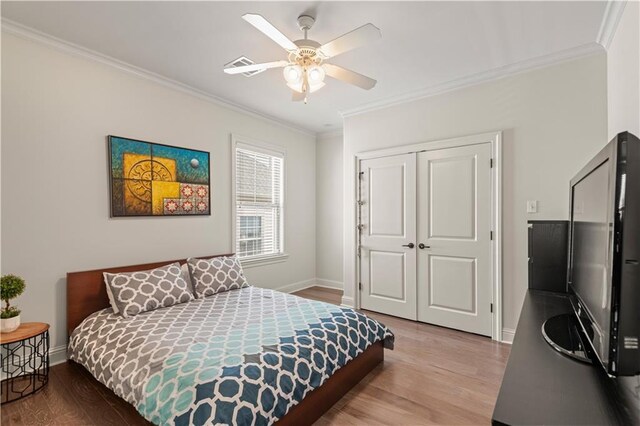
(610, 20)
(495, 139)
(348, 302)
(322, 282)
(270, 149)
(496, 206)
(478, 78)
(310, 283)
(293, 287)
(28, 33)
(428, 146)
(58, 355)
(508, 335)
(252, 262)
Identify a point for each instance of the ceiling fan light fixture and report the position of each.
(305, 67)
(297, 87)
(315, 74)
(293, 74)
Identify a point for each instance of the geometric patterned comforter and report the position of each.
(240, 357)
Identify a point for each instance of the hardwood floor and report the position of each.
(434, 376)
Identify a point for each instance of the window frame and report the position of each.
(238, 141)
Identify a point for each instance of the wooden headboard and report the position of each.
(86, 291)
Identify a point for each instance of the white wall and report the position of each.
(329, 216)
(57, 111)
(553, 121)
(623, 73)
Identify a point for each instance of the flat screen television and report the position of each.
(604, 254)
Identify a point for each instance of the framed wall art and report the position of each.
(151, 179)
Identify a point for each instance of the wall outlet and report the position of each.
(532, 206)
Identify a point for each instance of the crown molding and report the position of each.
(610, 20)
(481, 77)
(31, 34)
(330, 134)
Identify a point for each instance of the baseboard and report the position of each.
(323, 282)
(300, 285)
(57, 355)
(507, 335)
(349, 302)
(312, 282)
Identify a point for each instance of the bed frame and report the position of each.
(86, 294)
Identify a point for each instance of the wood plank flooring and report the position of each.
(434, 376)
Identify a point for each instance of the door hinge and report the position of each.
(360, 286)
(359, 251)
(491, 307)
(491, 235)
(491, 163)
(360, 175)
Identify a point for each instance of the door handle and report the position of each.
(410, 245)
(422, 246)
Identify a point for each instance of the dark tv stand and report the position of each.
(564, 334)
(542, 386)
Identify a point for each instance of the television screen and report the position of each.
(592, 251)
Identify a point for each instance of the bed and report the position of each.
(244, 356)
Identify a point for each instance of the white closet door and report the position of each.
(454, 224)
(388, 253)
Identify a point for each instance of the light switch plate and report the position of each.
(532, 206)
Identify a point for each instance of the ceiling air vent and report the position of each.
(242, 61)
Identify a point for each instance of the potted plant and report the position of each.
(11, 286)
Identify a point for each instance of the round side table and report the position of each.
(24, 360)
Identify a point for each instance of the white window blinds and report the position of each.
(259, 215)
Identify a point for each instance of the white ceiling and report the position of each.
(423, 44)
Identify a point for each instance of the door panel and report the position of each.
(387, 275)
(452, 203)
(454, 224)
(453, 284)
(388, 216)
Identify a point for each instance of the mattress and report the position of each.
(244, 356)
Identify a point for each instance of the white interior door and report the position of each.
(454, 224)
(388, 253)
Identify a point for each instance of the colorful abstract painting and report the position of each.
(149, 179)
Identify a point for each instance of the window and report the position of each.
(258, 201)
(250, 235)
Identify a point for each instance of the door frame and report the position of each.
(495, 139)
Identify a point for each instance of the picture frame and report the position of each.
(148, 179)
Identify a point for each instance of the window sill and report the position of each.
(251, 262)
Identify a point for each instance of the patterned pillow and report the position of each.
(211, 276)
(137, 292)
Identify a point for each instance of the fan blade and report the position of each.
(256, 67)
(349, 76)
(297, 96)
(270, 31)
(351, 40)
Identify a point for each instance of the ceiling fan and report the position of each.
(305, 67)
